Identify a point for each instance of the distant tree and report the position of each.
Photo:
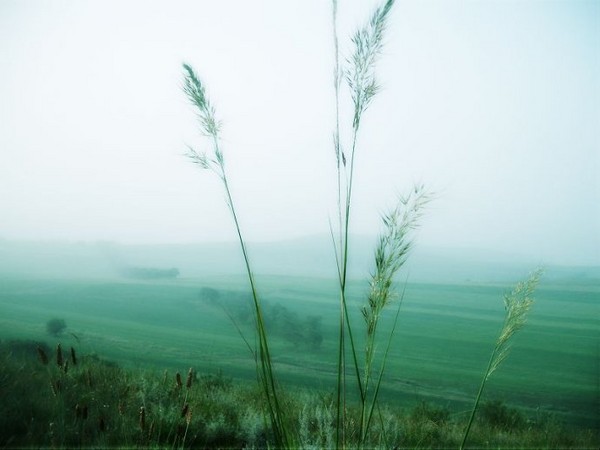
(210, 295)
(314, 333)
(55, 327)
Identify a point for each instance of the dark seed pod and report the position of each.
(188, 381)
(42, 355)
(59, 356)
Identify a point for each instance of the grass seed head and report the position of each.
(188, 381)
(56, 387)
(42, 355)
(142, 421)
(59, 356)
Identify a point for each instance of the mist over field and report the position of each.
(492, 105)
(185, 188)
(309, 256)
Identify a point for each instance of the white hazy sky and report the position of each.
(492, 104)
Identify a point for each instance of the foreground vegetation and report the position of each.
(362, 351)
(66, 400)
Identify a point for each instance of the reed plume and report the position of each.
(517, 305)
(210, 127)
(391, 252)
(360, 79)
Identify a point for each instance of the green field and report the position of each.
(444, 337)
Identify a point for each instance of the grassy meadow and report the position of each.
(444, 336)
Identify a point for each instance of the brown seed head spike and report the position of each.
(43, 356)
(184, 410)
(178, 380)
(142, 418)
(188, 382)
(56, 387)
(59, 356)
(73, 357)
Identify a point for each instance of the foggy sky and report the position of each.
(492, 104)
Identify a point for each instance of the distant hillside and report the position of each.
(307, 256)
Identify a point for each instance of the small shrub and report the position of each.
(499, 416)
(55, 327)
(426, 412)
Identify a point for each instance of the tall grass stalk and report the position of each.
(390, 255)
(210, 127)
(360, 79)
(517, 305)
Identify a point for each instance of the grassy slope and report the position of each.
(444, 338)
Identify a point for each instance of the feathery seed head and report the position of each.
(196, 93)
(392, 250)
(517, 305)
(368, 42)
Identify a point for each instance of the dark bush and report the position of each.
(55, 327)
(209, 295)
(497, 415)
(426, 412)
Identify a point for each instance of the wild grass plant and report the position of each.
(196, 93)
(358, 75)
(393, 246)
(516, 305)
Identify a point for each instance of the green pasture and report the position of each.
(444, 337)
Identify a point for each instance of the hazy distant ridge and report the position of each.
(307, 256)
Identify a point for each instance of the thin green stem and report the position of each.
(265, 356)
(478, 398)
